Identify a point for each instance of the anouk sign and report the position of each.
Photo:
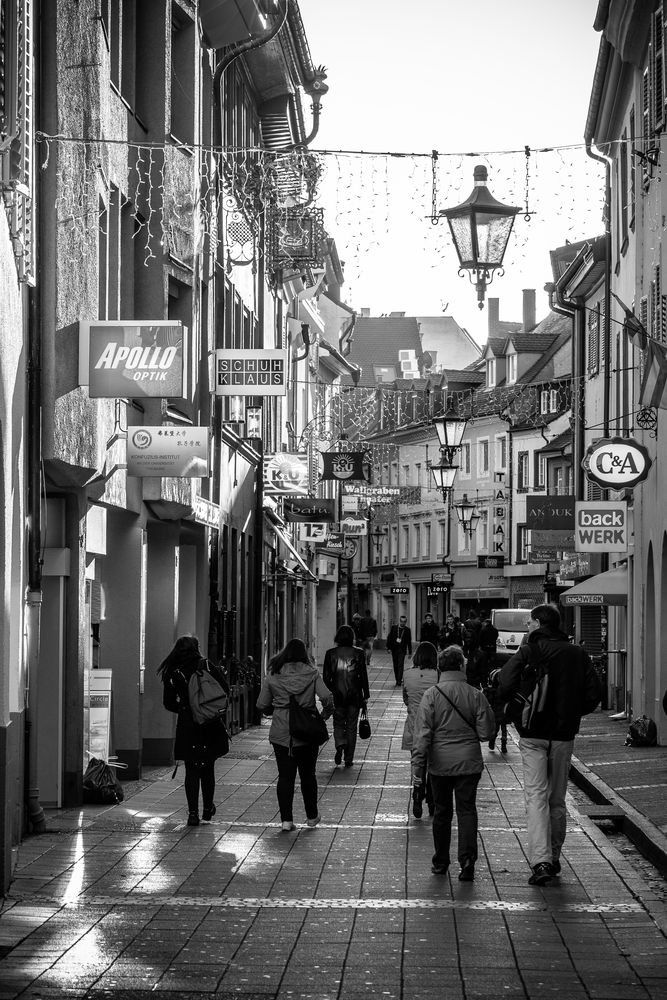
(617, 463)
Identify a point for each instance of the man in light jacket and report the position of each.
(573, 690)
(452, 719)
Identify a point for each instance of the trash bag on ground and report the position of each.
(100, 784)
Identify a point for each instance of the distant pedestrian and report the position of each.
(573, 691)
(429, 630)
(450, 634)
(291, 672)
(368, 631)
(419, 678)
(470, 629)
(482, 660)
(399, 644)
(356, 627)
(198, 746)
(451, 720)
(346, 677)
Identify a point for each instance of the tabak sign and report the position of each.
(617, 463)
(132, 359)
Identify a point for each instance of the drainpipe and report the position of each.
(559, 305)
(33, 597)
(607, 290)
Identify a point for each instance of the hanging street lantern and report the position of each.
(468, 515)
(450, 435)
(480, 227)
(443, 477)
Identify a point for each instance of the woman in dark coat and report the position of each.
(198, 746)
(346, 676)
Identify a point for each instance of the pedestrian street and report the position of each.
(128, 901)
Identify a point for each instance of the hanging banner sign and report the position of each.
(250, 373)
(286, 473)
(617, 463)
(128, 359)
(206, 512)
(601, 526)
(343, 465)
(490, 562)
(168, 451)
(335, 542)
(316, 531)
(433, 589)
(385, 494)
(304, 509)
(545, 513)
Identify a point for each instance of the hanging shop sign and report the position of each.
(490, 562)
(400, 590)
(601, 526)
(351, 505)
(335, 542)
(547, 546)
(434, 589)
(316, 531)
(206, 512)
(168, 451)
(253, 421)
(304, 509)
(343, 465)
(352, 525)
(546, 513)
(385, 494)
(499, 511)
(286, 473)
(617, 463)
(250, 373)
(128, 359)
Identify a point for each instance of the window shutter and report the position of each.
(9, 70)
(19, 168)
(646, 120)
(663, 319)
(593, 341)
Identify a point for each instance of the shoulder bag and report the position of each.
(306, 724)
(456, 709)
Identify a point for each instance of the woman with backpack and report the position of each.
(292, 673)
(346, 676)
(198, 745)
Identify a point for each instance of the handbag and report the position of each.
(364, 726)
(306, 724)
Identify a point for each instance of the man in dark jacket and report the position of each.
(573, 690)
(399, 642)
(429, 630)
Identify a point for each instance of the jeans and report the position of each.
(196, 775)
(302, 759)
(546, 765)
(398, 659)
(345, 720)
(463, 789)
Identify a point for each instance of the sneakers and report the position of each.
(288, 826)
(193, 819)
(208, 814)
(439, 869)
(467, 873)
(338, 756)
(542, 874)
(417, 800)
(313, 822)
(349, 763)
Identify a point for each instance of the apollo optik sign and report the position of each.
(132, 359)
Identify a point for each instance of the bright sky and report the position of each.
(459, 77)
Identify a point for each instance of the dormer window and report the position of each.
(511, 368)
(491, 373)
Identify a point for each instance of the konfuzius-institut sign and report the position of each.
(133, 359)
(250, 373)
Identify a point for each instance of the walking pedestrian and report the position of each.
(450, 634)
(291, 672)
(573, 690)
(470, 630)
(399, 644)
(198, 746)
(429, 630)
(368, 631)
(346, 677)
(482, 660)
(422, 675)
(451, 720)
(356, 628)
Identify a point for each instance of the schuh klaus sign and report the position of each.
(250, 372)
(617, 463)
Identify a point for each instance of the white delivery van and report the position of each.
(512, 625)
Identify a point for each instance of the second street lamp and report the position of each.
(450, 435)
(468, 515)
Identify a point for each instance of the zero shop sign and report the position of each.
(601, 526)
(617, 463)
(400, 590)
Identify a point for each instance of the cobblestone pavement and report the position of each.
(127, 901)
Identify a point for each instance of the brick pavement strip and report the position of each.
(123, 902)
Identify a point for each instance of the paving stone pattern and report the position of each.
(127, 902)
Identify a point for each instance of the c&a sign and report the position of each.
(617, 463)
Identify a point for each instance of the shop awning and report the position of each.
(287, 542)
(610, 587)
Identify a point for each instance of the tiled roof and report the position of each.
(377, 341)
(467, 376)
(559, 443)
(497, 345)
(532, 343)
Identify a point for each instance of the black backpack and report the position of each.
(526, 707)
(642, 732)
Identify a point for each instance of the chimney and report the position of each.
(528, 309)
(494, 315)
(365, 311)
